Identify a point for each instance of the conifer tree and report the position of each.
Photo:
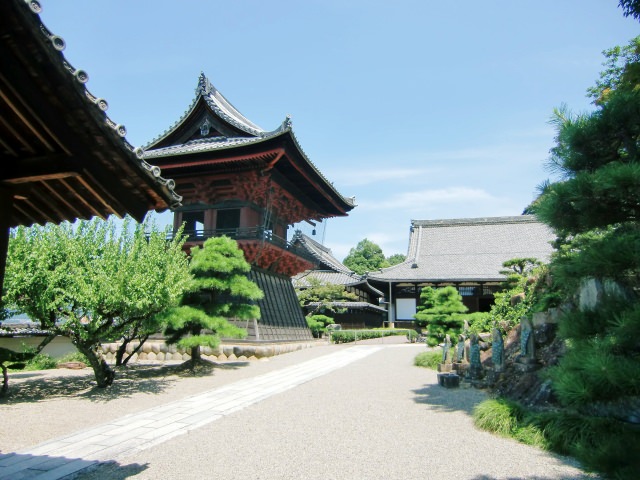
(220, 290)
(595, 209)
(440, 311)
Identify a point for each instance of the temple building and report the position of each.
(466, 253)
(61, 156)
(249, 184)
(362, 312)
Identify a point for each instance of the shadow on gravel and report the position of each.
(19, 465)
(151, 379)
(449, 399)
(111, 470)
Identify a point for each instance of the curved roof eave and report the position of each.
(219, 105)
(50, 65)
(284, 131)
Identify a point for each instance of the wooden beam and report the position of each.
(33, 169)
(20, 110)
(98, 196)
(81, 198)
(43, 199)
(39, 178)
(27, 146)
(36, 209)
(61, 199)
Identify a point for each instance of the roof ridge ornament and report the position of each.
(205, 128)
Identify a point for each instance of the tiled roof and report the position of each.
(324, 276)
(207, 145)
(354, 305)
(321, 253)
(470, 249)
(245, 133)
(71, 158)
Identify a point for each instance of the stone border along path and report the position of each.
(63, 456)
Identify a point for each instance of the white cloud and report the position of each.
(375, 175)
(418, 200)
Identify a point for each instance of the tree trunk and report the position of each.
(195, 355)
(101, 370)
(5, 381)
(122, 349)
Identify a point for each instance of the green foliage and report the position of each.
(74, 357)
(612, 253)
(499, 416)
(429, 359)
(621, 64)
(396, 259)
(318, 324)
(600, 363)
(348, 336)
(440, 311)
(365, 257)
(322, 295)
(595, 209)
(218, 291)
(94, 282)
(479, 322)
(630, 8)
(523, 293)
(601, 444)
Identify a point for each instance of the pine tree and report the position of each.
(440, 313)
(220, 291)
(596, 211)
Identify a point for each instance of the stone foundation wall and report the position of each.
(159, 351)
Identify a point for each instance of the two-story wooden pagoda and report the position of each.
(251, 185)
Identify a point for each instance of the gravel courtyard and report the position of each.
(378, 417)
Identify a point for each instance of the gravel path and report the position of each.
(379, 417)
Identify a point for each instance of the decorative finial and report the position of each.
(205, 127)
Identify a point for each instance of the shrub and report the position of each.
(601, 444)
(429, 359)
(347, 336)
(318, 324)
(74, 357)
(479, 322)
(40, 361)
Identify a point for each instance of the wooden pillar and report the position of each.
(391, 307)
(6, 209)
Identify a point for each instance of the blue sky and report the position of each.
(420, 109)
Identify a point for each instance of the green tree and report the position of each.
(517, 268)
(93, 282)
(595, 208)
(365, 257)
(219, 291)
(396, 259)
(440, 312)
(318, 324)
(630, 8)
(320, 296)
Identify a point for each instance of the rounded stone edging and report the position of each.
(158, 351)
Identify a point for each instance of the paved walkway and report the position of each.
(361, 412)
(63, 456)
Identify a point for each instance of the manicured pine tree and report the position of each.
(220, 290)
(440, 313)
(595, 209)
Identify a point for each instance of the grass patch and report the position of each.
(429, 359)
(601, 444)
(74, 357)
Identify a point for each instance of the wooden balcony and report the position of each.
(253, 240)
